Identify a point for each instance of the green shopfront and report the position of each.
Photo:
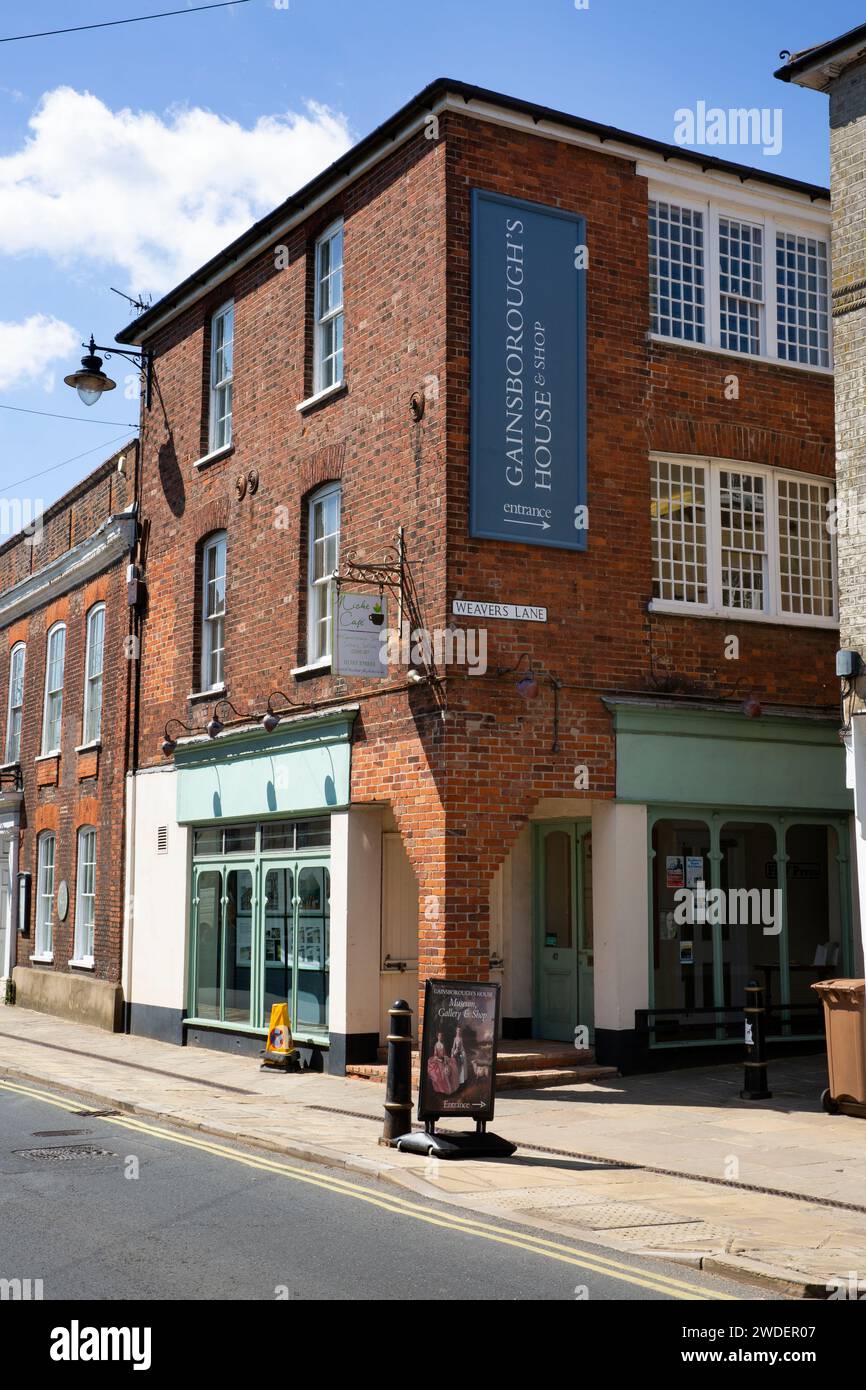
(730, 837)
(259, 812)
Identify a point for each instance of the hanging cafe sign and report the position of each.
(528, 402)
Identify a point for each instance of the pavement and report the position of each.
(672, 1165)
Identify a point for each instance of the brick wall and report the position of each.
(78, 788)
(599, 637)
(848, 182)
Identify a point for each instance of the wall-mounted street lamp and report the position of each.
(168, 743)
(91, 382)
(270, 719)
(216, 725)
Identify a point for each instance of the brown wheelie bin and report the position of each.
(843, 1002)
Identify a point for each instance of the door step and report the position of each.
(551, 1076)
(519, 1067)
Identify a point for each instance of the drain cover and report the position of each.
(58, 1133)
(63, 1153)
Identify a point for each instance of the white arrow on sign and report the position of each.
(515, 521)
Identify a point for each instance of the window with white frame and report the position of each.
(747, 282)
(55, 659)
(324, 548)
(741, 284)
(802, 319)
(677, 271)
(85, 896)
(17, 658)
(213, 611)
(45, 895)
(737, 539)
(328, 346)
(93, 663)
(222, 333)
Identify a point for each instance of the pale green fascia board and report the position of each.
(639, 718)
(308, 731)
(678, 755)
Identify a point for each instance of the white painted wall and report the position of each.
(155, 932)
(855, 778)
(356, 885)
(621, 914)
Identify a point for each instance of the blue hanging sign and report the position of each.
(528, 416)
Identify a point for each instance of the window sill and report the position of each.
(759, 357)
(93, 747)
(46, 958)
(47, 757)
(735, 615)
(214, 456)
(87, 963)
(320, 396)
(317, 668)
(215, 693)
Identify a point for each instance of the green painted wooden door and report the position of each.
(563, 987)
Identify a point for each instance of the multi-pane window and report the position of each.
(213, 611)
(714, 280)
(93, 662)
(805, 553)
(222, 334)
(54, 663)
(677, 271)
(741, 540)
(802, 321)
(15, 713)
(45, 895)
(328, 350)
(85, 896)
(679, 523)
(324, 530)
(741, 284)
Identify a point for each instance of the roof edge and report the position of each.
(198, 282)
(811, 61)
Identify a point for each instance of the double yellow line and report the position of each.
(400, 1206)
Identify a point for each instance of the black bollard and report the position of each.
(755, 1080)
(398, 1092)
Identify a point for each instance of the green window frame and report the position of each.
(229, 965)
(781, 821)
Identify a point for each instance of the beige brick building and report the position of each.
(838, 68)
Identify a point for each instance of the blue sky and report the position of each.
(129, 154)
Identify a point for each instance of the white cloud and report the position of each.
(153, 196)
(27, 349)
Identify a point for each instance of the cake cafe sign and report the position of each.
(458, 1050)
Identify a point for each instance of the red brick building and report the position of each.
(68, 690)
(655, 711)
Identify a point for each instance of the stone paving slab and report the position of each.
(690, 1122)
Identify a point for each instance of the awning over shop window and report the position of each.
(303, 766)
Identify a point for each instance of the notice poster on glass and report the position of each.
(675, 871)
(694, 870)
(243, 940)
(458, 1050)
